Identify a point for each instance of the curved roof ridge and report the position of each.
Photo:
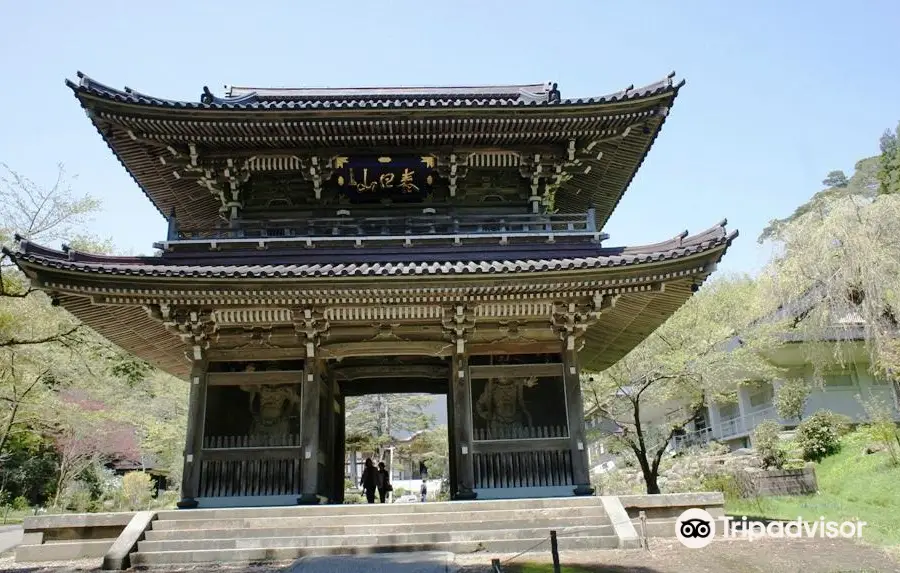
(684, 239)
(327, 92)
(240, 98)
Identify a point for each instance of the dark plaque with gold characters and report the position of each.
(373, 179)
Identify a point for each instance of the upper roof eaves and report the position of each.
(243, 98)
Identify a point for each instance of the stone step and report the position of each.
(243, 556)
(411, 537)
(301, 520)
(370, 509)
(64, 550)
(316, 527)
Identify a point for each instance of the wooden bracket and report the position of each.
(311, 327)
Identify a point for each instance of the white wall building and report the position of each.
(843, 389)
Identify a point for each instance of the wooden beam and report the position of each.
(490, 348)
(254, 378)
(516, 370)
(254, 354)
(400, 347)
(395, 386)
(346, 373)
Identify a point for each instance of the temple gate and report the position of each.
(328, 243)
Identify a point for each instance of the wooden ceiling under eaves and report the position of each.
(611, 136)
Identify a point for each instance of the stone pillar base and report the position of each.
(308, 499)
(187, 503)
(583, 490)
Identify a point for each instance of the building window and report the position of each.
(761, 396)
(728, 411)
(839, 381)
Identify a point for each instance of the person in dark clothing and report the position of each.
(369, 480)
(383, 482)
(423, 491)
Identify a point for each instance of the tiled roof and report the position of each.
(348, 98)
(275, 265)
(683, 262)
(612, 133)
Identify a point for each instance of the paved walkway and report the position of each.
(432, 562)
(10, 536)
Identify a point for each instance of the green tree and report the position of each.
(863, 184)
(791, 397)
(137, 491)
(374, 420)
(38, 212)
(432, 448)
(836, 179)
(840, 268)
(692, 358)
(889, 162)
(767, 441)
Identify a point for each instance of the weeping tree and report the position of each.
(840, 267)
(694, 357)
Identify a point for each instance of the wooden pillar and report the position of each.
(581, 473)
(193, 447)
(461, 395)
(328, 441)
(451, 439)
(340, 449)
(310, 399)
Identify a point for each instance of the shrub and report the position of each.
(137, 490)
(77, 497)
(714, 448)
(20, 503)
(353, 498)
(166, 499)
(790, 400)
(767, 442)
(727, 483)
(819, 435)
(882, 427)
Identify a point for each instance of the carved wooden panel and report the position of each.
(517, 406)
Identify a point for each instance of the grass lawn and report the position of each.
(14, 516)
(852, 485)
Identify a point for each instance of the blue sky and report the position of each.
(777, 94)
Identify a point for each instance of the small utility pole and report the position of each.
(554, 551)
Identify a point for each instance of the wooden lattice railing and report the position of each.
(522, 433)
(516, 469)
(407, 229)
(226, 442)
(250, 472)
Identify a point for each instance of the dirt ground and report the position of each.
(665, 556)
(739, 556)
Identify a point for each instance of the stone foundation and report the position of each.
(661, 511)
(70, 536)
(781, 482)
